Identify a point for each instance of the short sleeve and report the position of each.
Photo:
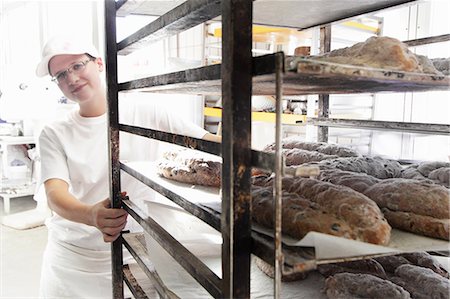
(53, 158)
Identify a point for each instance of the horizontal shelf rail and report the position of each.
(193, 265)
(198, 79)
(428, 40)
(189, 142)
(306, 77)
(189, 206)
(185, 16)
(421, 128)
(259, 159)
(135, 245)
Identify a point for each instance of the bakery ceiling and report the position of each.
(299, 14)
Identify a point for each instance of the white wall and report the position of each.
(428, 18)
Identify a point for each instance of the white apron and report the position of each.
(76, 273)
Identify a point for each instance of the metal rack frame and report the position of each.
(234, 79)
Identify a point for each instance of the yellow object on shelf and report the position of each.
(287, 119)
(272, 34)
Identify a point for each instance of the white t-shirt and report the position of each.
(76, 150)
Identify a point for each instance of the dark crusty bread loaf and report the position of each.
(421, 283)
(296, 156)
(392, 262)
(419, 224)
(360, 213)
(376, 166)
(357, 181)
(320, 147)
(411, 196)
(414, 206)
(299, 215)
(426, 260)
(366, 266)
(426, 167)
(441, 176)
(431, 172)
(349, 285)
(186, 166)
(411, 172)
(421, 259)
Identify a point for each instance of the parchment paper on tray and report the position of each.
(332, 247)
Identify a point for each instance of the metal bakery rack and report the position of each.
(238, 77)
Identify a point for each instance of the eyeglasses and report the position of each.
(75, 68)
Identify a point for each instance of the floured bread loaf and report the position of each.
(441, 176)
(414, 206)
(359, 217)
(424, 259)
(425, 168)
(367, 266)
(357, 181)
(421, 283)
(320, 147)
(442, 65)
(382, 53)
(350, 285)
(421, 259)
(190, 167)
(296, 156)
(376, 166)
(431, 171)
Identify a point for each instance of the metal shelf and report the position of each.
(177, 16)
(421, 128)
(304, 77)
(181, 18)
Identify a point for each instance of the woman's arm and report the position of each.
(109, 221)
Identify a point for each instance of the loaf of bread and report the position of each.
(350, 285)
(411, 196)
(359, 217)
(299, 215)
(442, 65)
(419, 224)
(366, 266)
(411, 172)
(425, 168)
(441, 176)
(320, 147)
(376, 166)
(414, 206)
(430, 171)
(421, 283)
(357, 181)
(426, 260)
(383, 53)
(187, 166)
(296, 156)
(392, 262)
(421, 259)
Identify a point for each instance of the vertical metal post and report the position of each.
(324, 99)
(236, 75)
(279, 261)
(113, 134)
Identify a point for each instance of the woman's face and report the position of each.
(78, 84)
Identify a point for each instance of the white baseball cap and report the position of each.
(63, 45)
